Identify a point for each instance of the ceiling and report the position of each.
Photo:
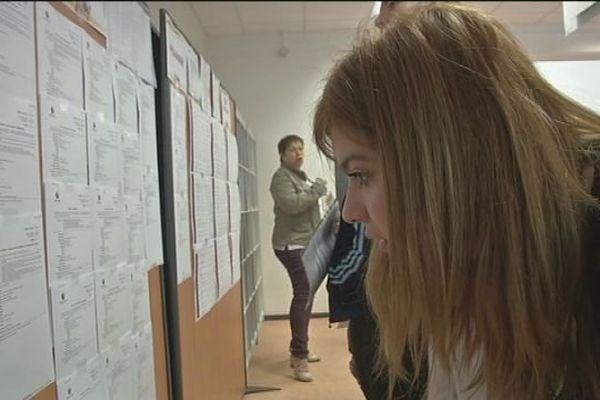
(220, 18)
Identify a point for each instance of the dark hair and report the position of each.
(286, 141)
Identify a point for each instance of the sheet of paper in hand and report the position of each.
(318, 252)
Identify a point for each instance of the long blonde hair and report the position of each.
(482, 161)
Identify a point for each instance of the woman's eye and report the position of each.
(359, 177)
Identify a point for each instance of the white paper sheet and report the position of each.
(135, 234)
(144, 356)
(219, 150)
(119, 369)
(87, 383)
(125, 87)
(142, 38)
(141, 297)
(60, 65)
(132, 163)
(120, 31)
(26, 365)
(17, 54)
(109, 228)
(232, 158)
(221, 208)
(73, 324)
(207, 291)
(223, 265)
(147, 125)
(98, 66)
(152, 215)
(235, 212)
(69, 231)
(114, 306)
(194, 84)
(226, 110)
(202, 139)
(105, 152)
(180, 185)
(19, 162)
(177, 50)
(205, 79)
(234, 245)
(64, 149)
(203, 208)
(215, 94)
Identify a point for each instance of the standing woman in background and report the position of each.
(297, 216)
(476, 180)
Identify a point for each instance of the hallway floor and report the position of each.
(270, 364)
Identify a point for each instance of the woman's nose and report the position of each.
(353, 210)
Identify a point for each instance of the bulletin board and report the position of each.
(201, 208)
(81, 310)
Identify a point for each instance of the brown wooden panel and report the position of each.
(185, 296)
(219, 350)
(157, 315)
(47, 393)
(77, 19)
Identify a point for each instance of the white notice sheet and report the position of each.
(144, 356)
(215, 94)
(105, 152)
(19, 162)
(141, 297)
(235, 211)
(219, 150)
(98, 80)
(207, 291)
(194, 84)
(203, 208)
(86, 384)
(125, 98)
(69, 231)
(152, 215)
(147, 113)
(142, 38)
(232, 158)
(60, 66)
(132, 163)
(221, 208)
(109, 228)
(120, 31)
(120, 371)
(234, 244)
(114, 306)
(64, 149)
(202, 139)
(135, 235)
(180, 185)
(26, 364)
(223, 265)
(226, 110)
(17, 54)
(74, 324)
(177, 51)
(205, 79)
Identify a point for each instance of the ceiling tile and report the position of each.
(332, 10)
(274, 26)
(252, 12)
(331, 25)
(215, 12)
(488, 6)
(537, 8)
(223, 29)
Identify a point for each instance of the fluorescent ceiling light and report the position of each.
(376, 8)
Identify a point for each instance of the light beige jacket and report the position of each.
(296, 207)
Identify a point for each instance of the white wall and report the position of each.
(276, 97)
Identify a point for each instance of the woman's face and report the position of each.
(366, 200)
(293, 156)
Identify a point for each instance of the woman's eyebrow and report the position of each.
(352, 157)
